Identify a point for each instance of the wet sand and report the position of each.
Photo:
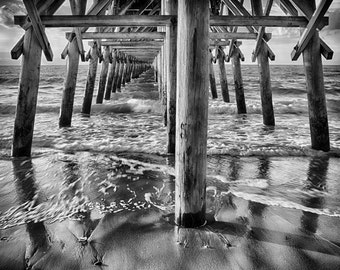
(243, 235)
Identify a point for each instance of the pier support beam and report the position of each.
(70, 83)
(91, 78)
(318, 119)
(111, 77)
(171, 47)
(103, 75)
(192, 112)
(212, 76)
(265, 84)
(27, 96)
(223, 74)
(238, 81)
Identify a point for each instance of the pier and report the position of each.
(179, 44)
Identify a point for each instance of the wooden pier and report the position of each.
(181, 41)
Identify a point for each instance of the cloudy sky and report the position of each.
(282, 43)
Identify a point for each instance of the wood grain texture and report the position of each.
(103, 75)
(192, 112)
(27, 96)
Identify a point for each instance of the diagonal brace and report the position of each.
(38, 29)
(311, 28)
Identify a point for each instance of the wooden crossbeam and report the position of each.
(288, 8)
(152, 43)
(311, 28)
(101, 20)
(121, 35)
(238, 9)
(163, 20)
(232, 35)
(158, 35)
(17, 50)
(76, 9)
(38, 29)
(261, 32)
(96, 8)
(267, 21)
(307, 11)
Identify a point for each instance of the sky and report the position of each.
(282, 42)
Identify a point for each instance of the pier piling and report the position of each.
(192, 112)
(212, 76)
(91, 78)
(223, 75)
(103, 75)
(238, 81)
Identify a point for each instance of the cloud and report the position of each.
(8, 9)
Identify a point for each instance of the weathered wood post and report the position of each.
(171, 47)
(27, 96)
(238, 81)
(110, 79)
(116, 74)
(91, 78)
(120, 72)
(212, 76)
(103, 75)
(318, 120)
(192, 112)
(128, 69)
(159, 79)
(155, 69)
(263, 65)
(70, 83)
(223, 75)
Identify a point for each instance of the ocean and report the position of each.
(116, 160)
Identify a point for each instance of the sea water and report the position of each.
(116, 159)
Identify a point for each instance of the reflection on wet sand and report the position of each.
(27, 192)
(316, 181)
(138, 231)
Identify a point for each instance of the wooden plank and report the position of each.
(163, 20)
(38, 29)
(121, 35)
(130, 43)
(232, 35)
(311, 27)
(326, 51)
(101, 20)
(261, 31)
(192, 112)
(267, 21)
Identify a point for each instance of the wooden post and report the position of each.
(223, 74)
(27, 96)
(192, 112)
(70, 83)
(116, 74)
(265, 85)
(111, 77)
(103, 75)
(128, 69)
(238, 82)
(318, 120)
(91, 78)
(120, 73)
(171, 47)
(212, 76)
(160, 81)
